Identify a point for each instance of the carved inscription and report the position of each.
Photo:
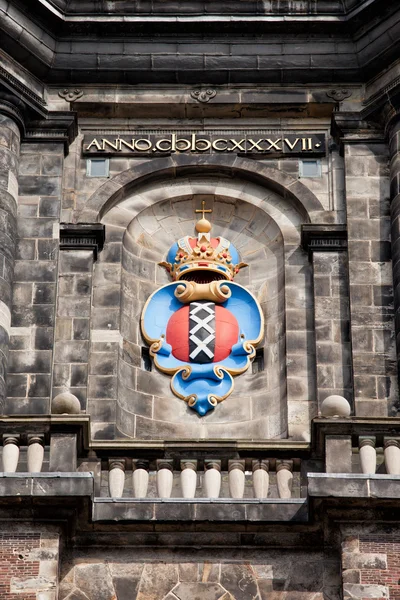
(204, 143)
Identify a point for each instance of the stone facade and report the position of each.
(283, 118)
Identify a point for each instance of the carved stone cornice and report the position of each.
(59, 126)
(13, 107)
(82, 236)
(323, 238)
(353, 128)
(12, 85)
(36, 123)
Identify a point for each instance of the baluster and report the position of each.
(10, 452)
(392, 455)
(188, 478)
(284, 478)
(35, 453)
(367, 454)
(236, 478)
(212, 478)
(165, 478)
(140, 478)
(116, 477)
(260, 478)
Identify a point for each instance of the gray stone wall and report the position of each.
(35, 279)
(95, 306)
(214, 575)
(370, 279)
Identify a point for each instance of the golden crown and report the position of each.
(203, 259)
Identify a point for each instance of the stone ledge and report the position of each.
(199, 509)
(353, 485)
(46, 484)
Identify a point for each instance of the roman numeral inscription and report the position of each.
(205, 143)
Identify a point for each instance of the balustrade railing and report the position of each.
(206, 478)
(275, 469)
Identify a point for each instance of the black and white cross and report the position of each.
(201, 331)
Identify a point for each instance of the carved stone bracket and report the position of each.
(71, 95)
(339, 95)
(82, 236)
(203, 95)
(323, 238)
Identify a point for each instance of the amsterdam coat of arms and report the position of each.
(202, 328)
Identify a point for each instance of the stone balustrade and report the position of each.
(206, 478)
(345, 455)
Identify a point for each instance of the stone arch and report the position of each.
(119, 187)
(124, 207)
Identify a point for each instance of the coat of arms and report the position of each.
(202, 328)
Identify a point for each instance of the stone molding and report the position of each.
(82, 236)
(13, 108)
(35, 122)
(323, 238)
(114, 190)
(356, 127)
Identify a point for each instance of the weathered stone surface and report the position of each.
(95, 581)
(198, 591)
(156, 581)
(239, 580)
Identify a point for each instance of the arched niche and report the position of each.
(265, 227)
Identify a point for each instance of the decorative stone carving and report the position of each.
(392, 456)
(10, 453)
(71, 95)
(188, 478)
(284, 478)
(165, 478)
(203, 95)
(116, 478)
(202, 328)
(35, 453)
(339, 95)
(65, 404)
(236, 478)
(367, 455)
(260, 478)
(140, 479)
(212, 478)
(82, 236)
(335, 406)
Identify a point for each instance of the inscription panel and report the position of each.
(205, 143)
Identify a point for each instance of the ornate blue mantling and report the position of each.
(202, 386)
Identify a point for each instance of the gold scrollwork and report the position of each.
(189, 291)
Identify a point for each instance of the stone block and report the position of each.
(75, 351)
(63, 452)
(81, 329)
(49, 206)
(47, 249)
(73, 307)
(43, 293)
(338, 454)
(43, 339)
(32, 185)
(340, 486)
(40, 271)
(35, 228)
(364, 561)
(95, 581)
(79, 375)
(39, 385)
(102, 386)
(103, 363)
(363, 591)
(30, 361)
(76, 261)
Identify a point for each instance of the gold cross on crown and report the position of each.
(203, 209)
